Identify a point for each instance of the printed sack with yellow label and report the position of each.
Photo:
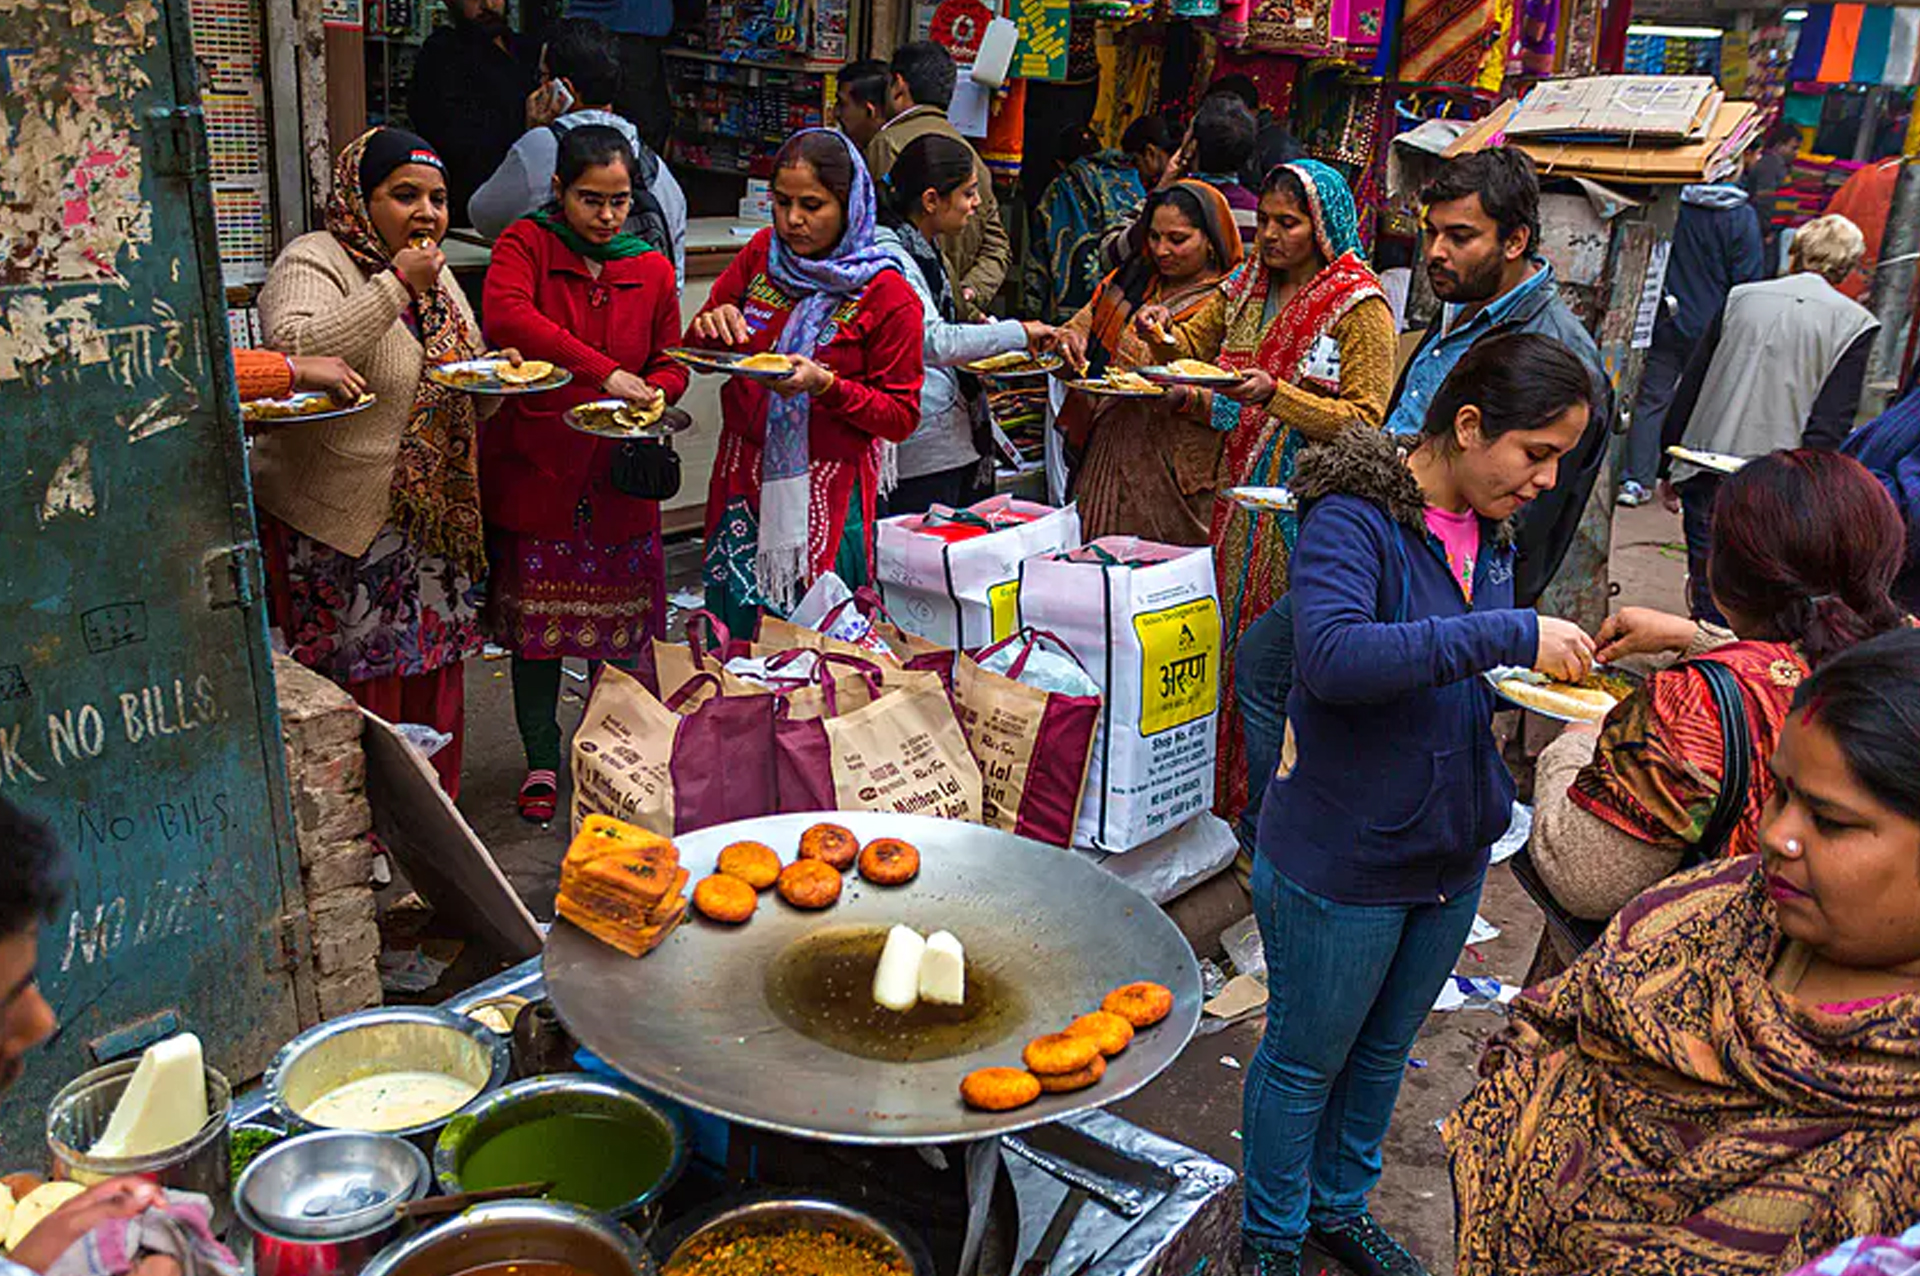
(1144, 619)
(953, 576)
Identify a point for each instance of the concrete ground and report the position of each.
(1197, 1101)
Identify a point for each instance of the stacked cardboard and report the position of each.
(1714, 157)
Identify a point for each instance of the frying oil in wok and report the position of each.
(822, 987)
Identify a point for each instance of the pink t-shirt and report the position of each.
(1460, 535)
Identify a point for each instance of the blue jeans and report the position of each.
(1349, 986)
(1696, 523)
(1262, 679)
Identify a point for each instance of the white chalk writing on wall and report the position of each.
(137, 717)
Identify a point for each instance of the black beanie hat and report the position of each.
(388, 149)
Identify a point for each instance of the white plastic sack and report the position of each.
(965, 593)
(1144, 619)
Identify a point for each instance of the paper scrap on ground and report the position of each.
(1242, 995)
(687, 599)
(1474, 992)
(1483, 931)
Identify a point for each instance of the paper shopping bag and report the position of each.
(1033, 745)
(697, 759)
(1145, 620)
(953, 576)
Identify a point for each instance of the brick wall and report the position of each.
(327, 777)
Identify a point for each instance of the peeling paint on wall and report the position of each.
(70, 203)
(71, 490)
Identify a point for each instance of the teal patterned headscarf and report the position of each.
(1336, 221)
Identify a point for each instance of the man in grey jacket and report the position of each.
(581, 72)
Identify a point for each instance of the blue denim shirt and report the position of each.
(1435, 360)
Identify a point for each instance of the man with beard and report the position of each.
(471, 85)
(1482, 235)
(31, 876)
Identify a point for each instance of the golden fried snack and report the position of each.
(888, 861)
(1059, 1053)
(752, 863)
(999, 1089)
(1141, 1004)
(767, 362)
(1067, 1082)
(809, 884)
(1109, 1031)
(725, 899)
(528, 372)
(830, 844)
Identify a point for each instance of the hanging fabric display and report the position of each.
(1003, 148)
(1444, 41)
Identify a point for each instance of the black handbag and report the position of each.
(1577, 934)
(648, 469)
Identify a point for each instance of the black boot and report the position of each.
(1365, 1248)
(1257, 1260)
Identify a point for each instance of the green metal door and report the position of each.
(136, 692)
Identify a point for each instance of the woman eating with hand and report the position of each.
(578, 565)
(370, 523)
(1806, 546)
(1725, 1085)
(1374, 834)
(932, 192)
(1304, 319)
(799, 470)
(1149, 467)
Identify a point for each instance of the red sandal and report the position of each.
(539, 795)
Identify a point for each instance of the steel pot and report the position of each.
(323, 1204)
(796, 1213)
(539, 1097)
(389, 1039)
(518, 1232)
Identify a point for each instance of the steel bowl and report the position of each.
(808, 1213)
(78, 1116)
(330, 1185)
(530, 1100)
(518, 1232)
(390, 1039)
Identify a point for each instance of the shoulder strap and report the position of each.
(1736, 773)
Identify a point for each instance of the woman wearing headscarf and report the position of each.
(578, 567)
(1144, 471)
(793, 489)
(371, 522)
(1307, 323)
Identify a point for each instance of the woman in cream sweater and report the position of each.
(371, 523)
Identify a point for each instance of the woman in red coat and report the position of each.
(577, 567)
(801, 459)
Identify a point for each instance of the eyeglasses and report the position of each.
(598, 202)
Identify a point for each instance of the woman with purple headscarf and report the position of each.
(792, 494)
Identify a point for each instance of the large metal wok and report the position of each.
(694, 1020)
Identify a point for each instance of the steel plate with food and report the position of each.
(1265, 500)
(298, 409)
(1589, 700)
(906, 979)
(1015, 363)
(1718, 462)
(619, 419)
(768, 365)
(1118, 385)
(1196, 372)
(494, 376)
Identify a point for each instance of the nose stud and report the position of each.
(1793, 846)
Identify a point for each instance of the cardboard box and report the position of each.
(1672, 108)
(1708, 160)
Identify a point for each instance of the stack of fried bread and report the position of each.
(622, 885)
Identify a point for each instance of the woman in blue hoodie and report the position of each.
(1374, 832)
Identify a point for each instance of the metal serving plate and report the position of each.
(1497, 677)
(1264, 500)
(1718, 462)
(1030, 365)
(1111, 391)
(692, 1020)
(724, 362)
(673, 421)
(445, 374)
(308, 405)
(1166, 374)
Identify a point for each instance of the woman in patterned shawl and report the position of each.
(1145, 471)
(1805, 549)
(1305, 319)
(1730, 1081)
